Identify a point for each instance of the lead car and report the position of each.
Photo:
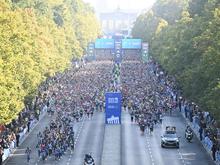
(170, 138)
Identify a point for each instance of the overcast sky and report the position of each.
(106, 5)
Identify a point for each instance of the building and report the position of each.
(117, 21)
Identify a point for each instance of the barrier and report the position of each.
(6, 154)
(23, 135)
(207, 142)
(218, 157)
(193, 121)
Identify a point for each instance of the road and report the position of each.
(18, 157)
(90, 141)
(142, 150)
(135, 148)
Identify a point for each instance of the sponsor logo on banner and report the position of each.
(113, 120)
(113, 108)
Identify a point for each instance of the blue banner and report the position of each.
(131, 44)
(113, 108)
(105, 43)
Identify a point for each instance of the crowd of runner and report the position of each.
(75, 97)
(145, 95)
(148, 92)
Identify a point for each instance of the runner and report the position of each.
(28, 153)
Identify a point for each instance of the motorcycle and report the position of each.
(88, 160)
(189, 135)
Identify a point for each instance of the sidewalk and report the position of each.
(205, 142)
(28, 140)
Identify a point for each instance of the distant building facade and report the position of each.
(117, 21)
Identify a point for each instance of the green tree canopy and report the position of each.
(38, 38)
(187, 45)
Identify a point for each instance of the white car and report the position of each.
(170, 138)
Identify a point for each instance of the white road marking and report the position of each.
(181, 157)
(150, 150)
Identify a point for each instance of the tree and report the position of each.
(37, 39)
(187, 45)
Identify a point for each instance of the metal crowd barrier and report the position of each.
(207, 142)
(23, 134)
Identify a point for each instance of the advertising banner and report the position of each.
(131, 43)
(113, 108)
(105, 43)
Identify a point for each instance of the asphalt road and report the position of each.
(19, 156)
(142, 150)
(90, 141)
(135, 148)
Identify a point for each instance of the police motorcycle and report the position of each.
(188, 134)
(88, 160)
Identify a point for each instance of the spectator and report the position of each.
(1, 155)
(17, 139)
(28, 153)
(28, 125)
(200, 133)
(186, 110)
(214, 149)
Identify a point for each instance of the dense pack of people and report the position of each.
(67, 97)
(75, 97)
(146, 97)
(56, 138)
(149, 92)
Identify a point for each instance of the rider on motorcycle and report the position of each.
(188, 133)
(188, 129)
(88, 160)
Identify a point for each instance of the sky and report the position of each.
(107, 5)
